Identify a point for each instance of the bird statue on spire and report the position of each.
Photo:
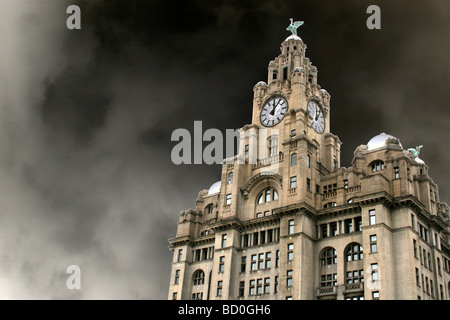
(293, 26)
(415, 151)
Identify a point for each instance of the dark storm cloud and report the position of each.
(86, 119)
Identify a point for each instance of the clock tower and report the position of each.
(286, 221)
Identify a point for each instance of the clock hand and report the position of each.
(272, 113)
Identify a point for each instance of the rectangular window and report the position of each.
(317, 188)
(324, 230)
(274, 75)
(372, 217)
(276, 287)
(246, 151)
(424, 258)
(268, 260)
(243, 263)
(415, 248)
(224, 240)
(374, 268)
(355, 276)
(255, 238)
(333, 229)
(413, 223)
(241, 288)
(219, 288)
(177, 277)
(439, 266)
(396, 173)
(228, 201)
(174, 296)
(277, 259)
(348, 226)
(253, 264)
(375, 295)
(328, 280)
(429, 262)
(285, 73)
(308, 161)
(431, 288)
(289, 281)
(308, 184)
(251, 288)
(261, 261)
(373, 243)
(266, 285)
(269, 236)
(290, 252)
(417, 277)
(423, 283)
(259, 286)
(358, 224)
(222, 264)
(293, 182)
(180, 255)
(420, 253)
(291, 227)
(293, 133)
(245, 241)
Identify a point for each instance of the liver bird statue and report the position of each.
(293, 26)
(415, 151)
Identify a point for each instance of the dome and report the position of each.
(379, 141)
(419, 161)
(293, 37)
(215, 188)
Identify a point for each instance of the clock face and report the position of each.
(318, 120)
(273, 111)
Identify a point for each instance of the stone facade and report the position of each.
(297, 225)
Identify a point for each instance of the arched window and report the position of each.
(293, 159)
(267, 195)
(275, 75)
(230, 178)
(328, 256)
(209, 208)
(198, 278)
(354, 252)
(377, 165)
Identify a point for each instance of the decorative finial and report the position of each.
(415, 151)
(293, 26)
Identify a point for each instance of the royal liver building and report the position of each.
(294, 224)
